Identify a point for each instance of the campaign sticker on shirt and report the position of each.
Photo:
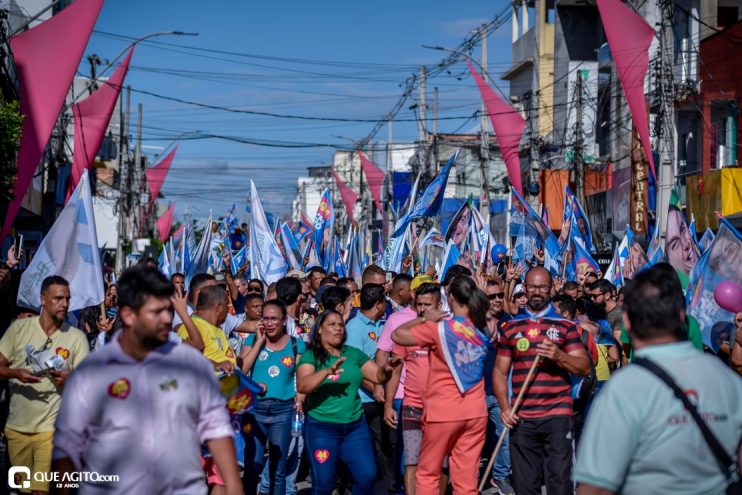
(120, 388)
(169, 384)
(62, 352)
(263, 355)
(533, 332)
(321, 455)
(229, 353)
(372, 336)
(287, 361)
(523, 344)
(274, 371)
(334, 377)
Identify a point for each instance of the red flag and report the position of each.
(375, 178)
(629, 37)
(46, 58)
(156, 176)
(349, 195)
(165, 223)
(508, 126)
(92, 116)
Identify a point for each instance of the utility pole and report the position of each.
(422, 104)
(435, 110)
(94, 61)
(666, 119)
(579, 174)
(389, 169)
(138, 174)
(484, 197)
(124, 205)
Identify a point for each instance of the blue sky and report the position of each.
(348, 60)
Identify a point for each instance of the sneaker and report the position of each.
(503, 487)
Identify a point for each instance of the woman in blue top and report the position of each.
(270, 356)
(330, 373)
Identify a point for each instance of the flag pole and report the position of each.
(516, 406)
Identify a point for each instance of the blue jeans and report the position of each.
(351, 442)
(501, 469)
(292, 468)
(271, 424)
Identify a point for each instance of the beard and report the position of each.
(537, 303)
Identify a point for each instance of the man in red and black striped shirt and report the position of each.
(541, 430)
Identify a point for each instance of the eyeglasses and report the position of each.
(595, 296)
(496, 295)
(539, 288)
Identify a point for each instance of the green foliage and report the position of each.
(11, 121)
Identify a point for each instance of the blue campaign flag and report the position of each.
(582, 261)
(613, 274)
(721, 261)
(464, 348)
(706, 239)
(292, 251)
(525, 221)
(450, 257)
(580, 225)
(338, 266)
(324, 221)
(429, 204)
(238, 259)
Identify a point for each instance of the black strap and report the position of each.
(725, 461)
(294, 345)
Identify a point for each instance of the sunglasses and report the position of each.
(254, 288)
(496, 295)
(595, 296)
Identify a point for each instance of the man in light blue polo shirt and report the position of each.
(639, 438)
(363, 332)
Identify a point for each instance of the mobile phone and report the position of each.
(388, 277)
(17, 246)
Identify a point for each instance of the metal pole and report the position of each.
(665, 175)
(484, 136)
(422, 104)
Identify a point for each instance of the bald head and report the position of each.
(538, 275)
(538, 288)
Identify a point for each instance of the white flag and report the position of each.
(266, 260)
(200, 261)
(69, 250)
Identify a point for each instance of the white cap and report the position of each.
(519, 289)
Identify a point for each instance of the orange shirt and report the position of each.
(443, 401)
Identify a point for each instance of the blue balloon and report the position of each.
(499, 252)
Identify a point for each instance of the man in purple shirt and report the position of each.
(138, 412)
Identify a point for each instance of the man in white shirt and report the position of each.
(142, 406)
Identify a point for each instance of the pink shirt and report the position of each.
(141, 420)
(385, 342)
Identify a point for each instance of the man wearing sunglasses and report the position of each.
(497, 315)
(603, 293)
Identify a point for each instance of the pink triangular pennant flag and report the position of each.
(46, 58)
(91, 117)
(165, 223)
(375, 178)
(508, 126)
(629, 37)
(348, 195)
(156, 176)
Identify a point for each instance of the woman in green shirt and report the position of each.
(330, 373)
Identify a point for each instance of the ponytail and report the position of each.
(466, 292)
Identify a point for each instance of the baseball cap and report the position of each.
(297, 274)
(419, 280)
(519, 290)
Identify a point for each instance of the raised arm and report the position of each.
(308, 379)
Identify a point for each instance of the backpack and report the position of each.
(585, 388)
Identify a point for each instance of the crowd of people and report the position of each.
(394, 383)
